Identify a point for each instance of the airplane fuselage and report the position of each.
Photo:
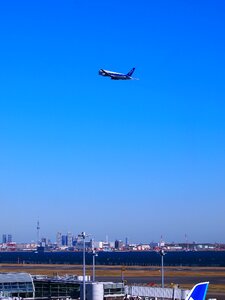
(115, 75)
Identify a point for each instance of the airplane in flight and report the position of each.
(117, 76)
(198, 292)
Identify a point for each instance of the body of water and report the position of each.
(142, 258)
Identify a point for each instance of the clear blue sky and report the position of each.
(136, 159)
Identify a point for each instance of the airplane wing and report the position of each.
(113, 77)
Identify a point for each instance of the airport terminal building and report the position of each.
(16, 286)
(23, 285)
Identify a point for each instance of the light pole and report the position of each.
(123, 269)
(94, 254)
(83, 236)
(162, 253)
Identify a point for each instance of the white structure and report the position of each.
(101, 290)
(95, 291)
(155, 293)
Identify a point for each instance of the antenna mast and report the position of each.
(38, 233)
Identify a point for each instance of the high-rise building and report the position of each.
(74, 242)
(43, 242)
(118, 244)
(69, 239)
(64, 240)
(59, 239)
(4, 239)
(9, 240)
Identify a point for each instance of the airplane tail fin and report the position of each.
(198, 292)
(131, 72)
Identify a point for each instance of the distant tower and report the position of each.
(38, 232)
(186, 241)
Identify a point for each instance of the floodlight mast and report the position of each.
(162, 254)
(94, 255)
(83, 235)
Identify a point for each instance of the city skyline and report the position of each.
(81, 153)
(64, 238)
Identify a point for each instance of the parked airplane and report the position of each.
(198, 292)
(117, 76)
